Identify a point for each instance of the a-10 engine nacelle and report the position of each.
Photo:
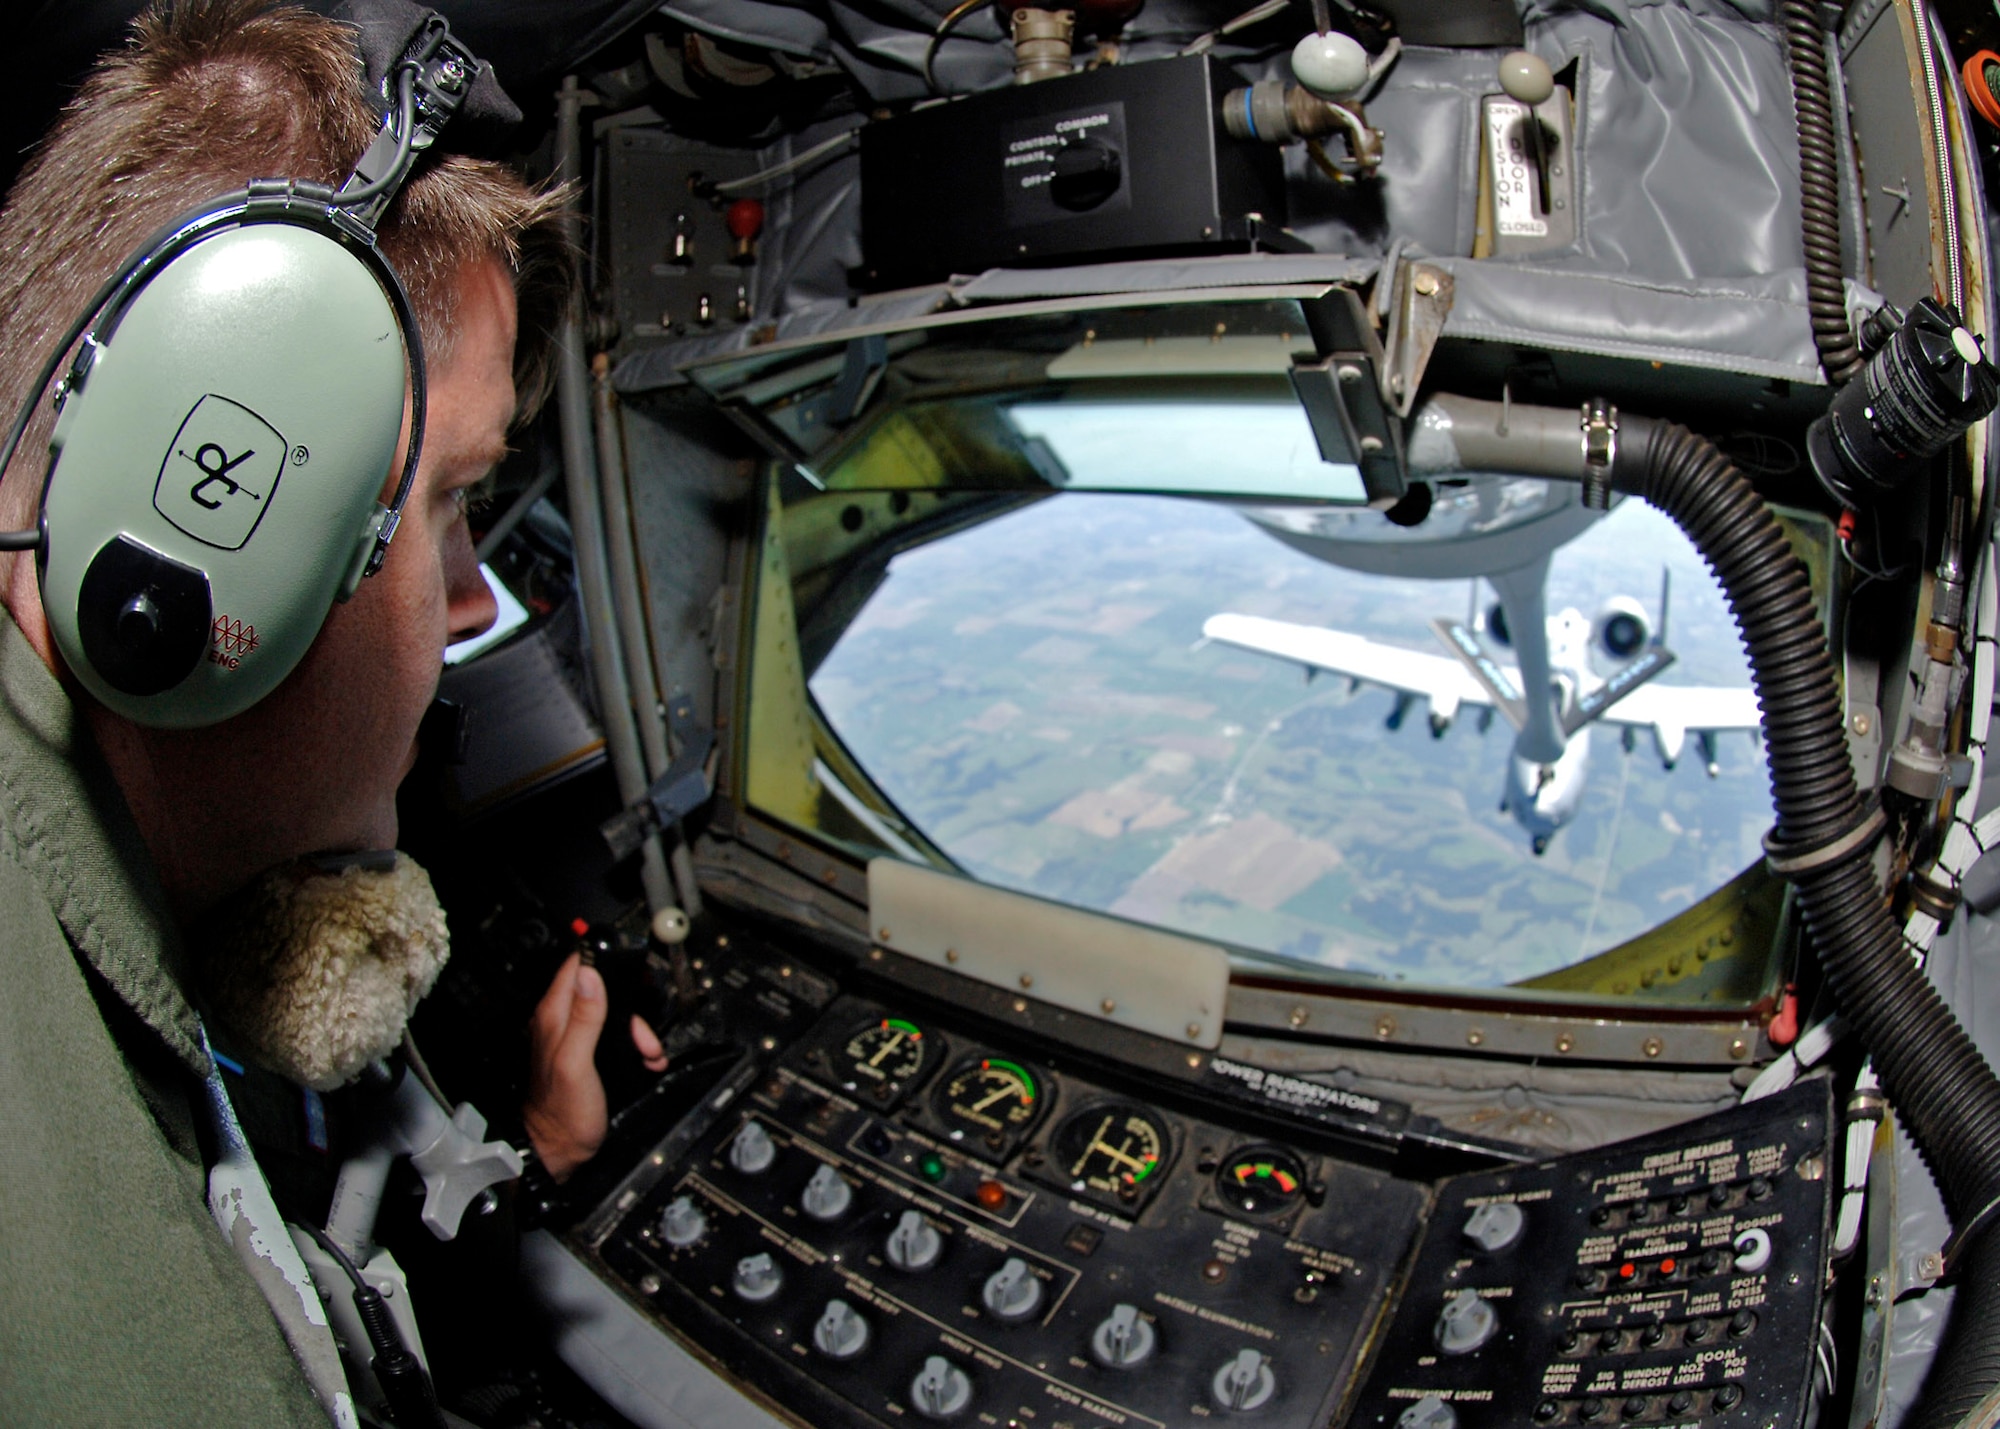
(1621, 629)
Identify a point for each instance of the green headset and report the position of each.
(226, 428)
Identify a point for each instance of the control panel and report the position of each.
(1673, 1280)
(907, 1222)
(886, 1215)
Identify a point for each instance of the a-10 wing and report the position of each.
(1671, 712)
(1444, 682)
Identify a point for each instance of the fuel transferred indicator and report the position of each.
(1261, 1181)
(884, 1052)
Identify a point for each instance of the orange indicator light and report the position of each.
(991, 1195)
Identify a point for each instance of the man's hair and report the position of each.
(209, 94)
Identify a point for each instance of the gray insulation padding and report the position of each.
(1688, 250)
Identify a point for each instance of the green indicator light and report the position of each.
(931, 1166)
(908, 1029)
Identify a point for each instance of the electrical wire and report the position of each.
(798, 161)
(1202, 44)
(945, 27)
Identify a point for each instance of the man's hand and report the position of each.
(565, 1113)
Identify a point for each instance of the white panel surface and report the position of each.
(1137, 977)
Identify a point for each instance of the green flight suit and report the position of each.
(120, 1302)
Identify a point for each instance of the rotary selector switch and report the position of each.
(1012, 1292)
(914, 1244)
(753, 1151)
(1245, 1382)
(1124, 1339)
(1495, 1226)
(840, 1333)
(1430, 1412)
(682, 1223)
(1467, 1323)
(941, 1389)
(757, 1277)
(1753, 1250)
(827, 1196)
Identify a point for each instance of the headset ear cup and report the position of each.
(241, 411)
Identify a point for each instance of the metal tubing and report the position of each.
(586, 515)
(629, 598)
(1453, 434)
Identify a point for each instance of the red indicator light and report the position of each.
(579, 926)
(991, 1195)
(1667, 1266)
(1286, 1183)
(1627, 1270)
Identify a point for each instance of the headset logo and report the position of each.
(220, 473)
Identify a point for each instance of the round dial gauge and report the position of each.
(1261, 1180)
(1116, 1148)
(989, 1098)
(887, 1051)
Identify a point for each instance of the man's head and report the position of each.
(210, 94)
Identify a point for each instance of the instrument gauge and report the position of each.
(885, 1053)
(1261, 1181)
(1114, 1149)
(988, 1101)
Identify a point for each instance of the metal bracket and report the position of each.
(677, 793)
(1421, 301)
(861, 369)
(1342, 397)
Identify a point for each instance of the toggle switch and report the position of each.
(940, 1389)
(827, 1195)
(840, 1333)
(1245, 1382)
(1012, 1292)
(1124, 1339)
(915, 1243)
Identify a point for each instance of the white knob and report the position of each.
(753, 1151)
(914, 1244)
(1246, 1382)
(1430, 1412)
(1526, 77)
(758, 1277)
(827, 1196)
(1332, 65)
(1494, 1226)
(1753, 1250)
(840, 1333)
(1467, 1323)
(940, 1389)
(670, 926)
(1124, 1339)
(1012, 1292)
(682, 1224)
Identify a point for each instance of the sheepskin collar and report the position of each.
(317, 971)
(64, 819)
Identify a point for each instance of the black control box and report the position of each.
(1118, 161)
(1663, 1283)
